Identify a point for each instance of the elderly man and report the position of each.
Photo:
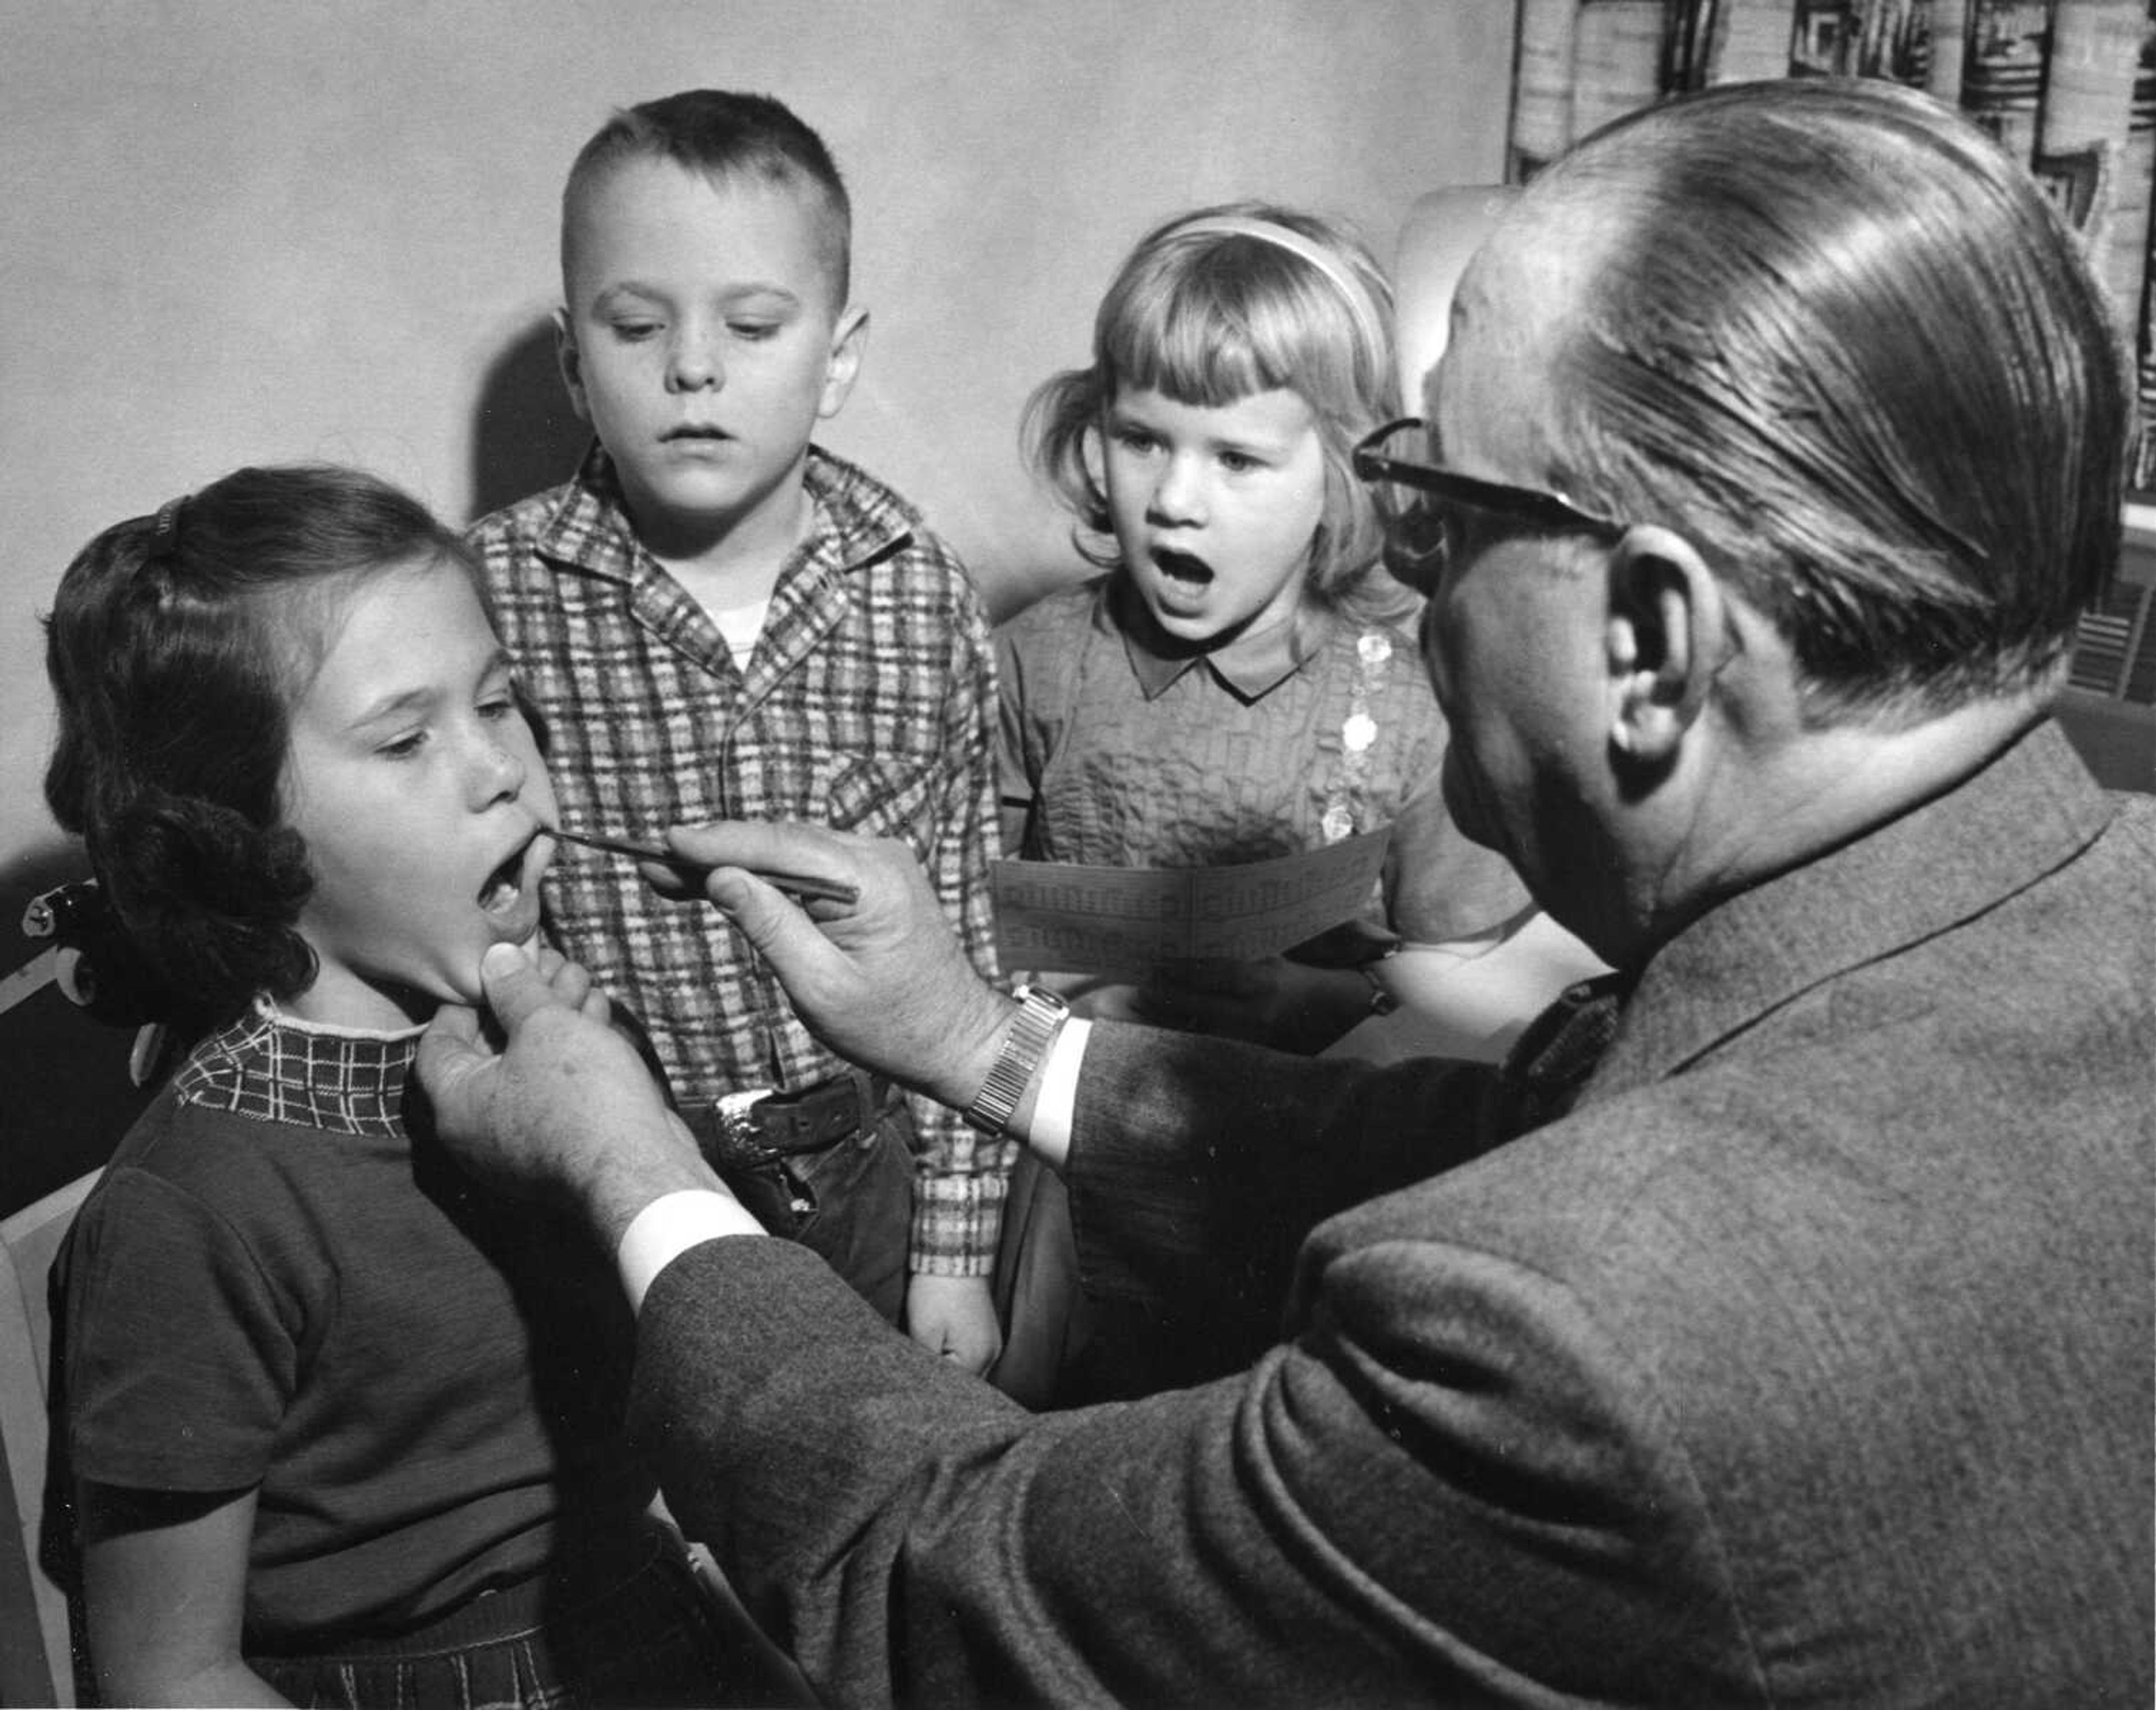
(1776, 1327)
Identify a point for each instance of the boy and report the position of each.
(716, 618)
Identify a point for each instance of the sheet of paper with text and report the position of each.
(1125, 920)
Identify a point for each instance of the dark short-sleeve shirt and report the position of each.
(274, 1287)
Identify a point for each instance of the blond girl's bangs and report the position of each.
(1214, 332)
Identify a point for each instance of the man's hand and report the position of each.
(881, 981)
(559, 1100)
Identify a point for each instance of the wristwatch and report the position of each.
(1040, 1014)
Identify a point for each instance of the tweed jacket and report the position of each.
(1807, 1361)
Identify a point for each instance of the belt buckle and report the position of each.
(739, 1131)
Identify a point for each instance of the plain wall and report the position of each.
(262, 232)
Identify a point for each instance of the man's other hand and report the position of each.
(551, 1097)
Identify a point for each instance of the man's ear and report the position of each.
(849, 342)
(570, 361)
(1664, 641)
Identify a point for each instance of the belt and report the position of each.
(760, 1125)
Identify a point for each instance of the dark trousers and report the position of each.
(851, 1202)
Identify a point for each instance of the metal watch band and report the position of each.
(1041, 1013)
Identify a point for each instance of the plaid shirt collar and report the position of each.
(859, 524)
(275, 1067)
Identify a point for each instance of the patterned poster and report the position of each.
(1617, 60)
(2086, 147)
(1888, 38)
(1541, 97)
(2002, 80)
(1750, 41)
(1949, 34)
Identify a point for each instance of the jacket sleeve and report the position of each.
(1198, 1166)
(1437, 1490)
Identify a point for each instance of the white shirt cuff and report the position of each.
(1055, 1103)
(668, 1227)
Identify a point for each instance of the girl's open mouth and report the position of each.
(1181, 566)
(504, 885)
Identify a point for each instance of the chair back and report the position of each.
(37, 1660)
(1441, 231)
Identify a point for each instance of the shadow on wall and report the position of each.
(524, 439)
(525, 436)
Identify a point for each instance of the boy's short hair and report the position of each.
(724, 135)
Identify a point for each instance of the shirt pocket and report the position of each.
(883, 796)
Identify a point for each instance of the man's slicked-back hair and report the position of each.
(1842, 341)
(725, 136)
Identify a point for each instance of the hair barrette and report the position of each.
(168, 519)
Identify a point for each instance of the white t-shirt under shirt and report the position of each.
(738, 627)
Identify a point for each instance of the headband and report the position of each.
(1266, 231)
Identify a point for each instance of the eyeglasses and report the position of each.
(1416, 501)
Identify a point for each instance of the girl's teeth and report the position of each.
(503, 886)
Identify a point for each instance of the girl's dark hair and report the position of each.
(177, 646)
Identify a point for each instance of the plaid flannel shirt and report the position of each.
(869, 705)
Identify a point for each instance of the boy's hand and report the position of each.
(954, 1317)
(882, 981)
(553, 1098)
